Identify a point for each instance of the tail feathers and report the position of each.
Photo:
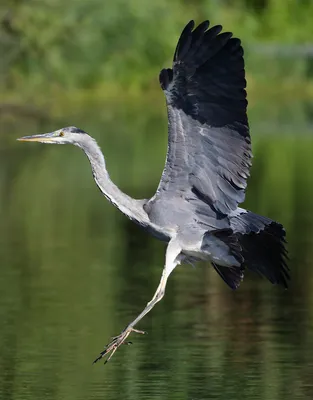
(230, 275)
(234, 246)
(265, 253)
(263, 246)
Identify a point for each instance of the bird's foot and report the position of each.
(115, 344)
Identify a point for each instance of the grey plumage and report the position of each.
(209, 147)
(195, 208)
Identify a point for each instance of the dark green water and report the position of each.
(74, 272)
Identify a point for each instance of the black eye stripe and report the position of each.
(61, 134)
(73, 129)
(77, 130)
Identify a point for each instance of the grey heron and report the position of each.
(196, 206)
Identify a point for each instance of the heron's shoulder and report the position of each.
(168, 212)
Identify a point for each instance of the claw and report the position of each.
(137, 331)
(97, 359)
(115, 343)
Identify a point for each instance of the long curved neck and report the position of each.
(130, 207)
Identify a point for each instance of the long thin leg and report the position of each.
(171, 261)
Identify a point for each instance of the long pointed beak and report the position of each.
(45, 137)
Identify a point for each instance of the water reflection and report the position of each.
(74, 272)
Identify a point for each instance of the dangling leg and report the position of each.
(171, 260)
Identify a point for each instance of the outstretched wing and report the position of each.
(209, 147)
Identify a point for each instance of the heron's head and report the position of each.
(67, 135)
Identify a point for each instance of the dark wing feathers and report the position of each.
(184, 42)
(260, 242)
(230, 275)
(263, 245)
(209, 149)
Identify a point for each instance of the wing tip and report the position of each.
(191, 35)
(184, 41)
(190, 25)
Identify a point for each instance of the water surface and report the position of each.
(74, 272)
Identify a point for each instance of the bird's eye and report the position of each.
(61, 134)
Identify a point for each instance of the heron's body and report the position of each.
(196, 206)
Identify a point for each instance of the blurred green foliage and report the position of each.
(119, 46)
